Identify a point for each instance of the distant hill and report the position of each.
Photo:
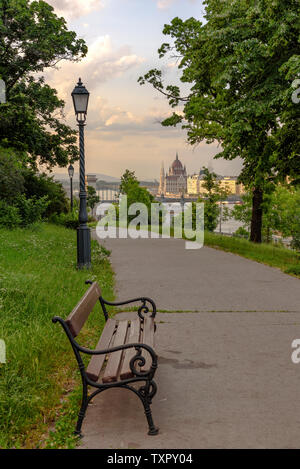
(101, 177)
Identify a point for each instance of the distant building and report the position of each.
(91, 180)
(195, 184)
(229, 184)
(175, 181)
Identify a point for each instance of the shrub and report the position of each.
(69, 220)
(293, 269)
(241, 233)
(11, 178)
(9, 216)
(31, 210)
(41, 185)
(296, 241)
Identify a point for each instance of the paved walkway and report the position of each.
(225, 376)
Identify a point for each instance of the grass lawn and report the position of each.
(270, 254)
(38, 279)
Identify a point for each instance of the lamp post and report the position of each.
(71, 174)
(80, 97)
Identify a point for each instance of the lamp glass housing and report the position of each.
(80, 97)
(71, 171)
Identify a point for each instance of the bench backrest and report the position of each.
(80, 313)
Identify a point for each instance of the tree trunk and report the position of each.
(256, 221)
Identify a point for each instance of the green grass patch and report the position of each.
(38, 280)
(270, 254)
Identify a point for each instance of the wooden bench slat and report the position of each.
(80, 313)
(133, 337)
(114, 359)
(147, 339)
(94, 368)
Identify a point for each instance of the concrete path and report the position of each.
(225, 379)
(199, 280)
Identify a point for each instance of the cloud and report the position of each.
(76, 8)
(102, 63)
(164, 4)
(114, 123)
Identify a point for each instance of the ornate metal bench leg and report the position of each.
(152, 429)
(147, 393)
(82, 411)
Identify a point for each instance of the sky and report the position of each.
(123, 123)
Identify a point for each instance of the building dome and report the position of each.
(177, 168)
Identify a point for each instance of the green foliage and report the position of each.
(127, 181)
(243, 212)
(24, 212)
(9, 216)
(213, 195)
(69, 220)
(296, 241)
(33, 39)
(294, 270)
(18, 183)
(281, 213)
(135, 193)
(31, 210)
(11, 177)
(40, 185)
(241, 233)
(92, 197)
(39, 280)
(240, 66)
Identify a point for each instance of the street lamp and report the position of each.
(71, 174)
(80, 97)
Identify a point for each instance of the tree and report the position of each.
(130, 187)
(33, 38)
(281, 212)
(92, 197)
(240, 66)
(11, 177)
(127, 181)
(243, 212)
(214, 194)
(16, 179)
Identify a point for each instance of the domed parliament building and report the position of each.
(175, 181)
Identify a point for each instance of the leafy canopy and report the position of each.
(240, 66)
(32, 39)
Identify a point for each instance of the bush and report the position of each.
(31, 210)
(11, 178)
(293, 269)
(69, 220)
(241, 233)
(295, 244)
(9, 216)
(41, 185)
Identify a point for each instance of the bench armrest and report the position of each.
(143, 309)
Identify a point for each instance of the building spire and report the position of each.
(161, 189)
(177, 155)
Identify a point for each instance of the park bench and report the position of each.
(124, 356)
